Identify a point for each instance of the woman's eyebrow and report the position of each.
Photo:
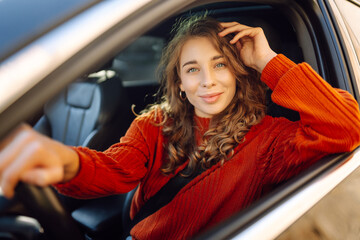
(189, 62)
(217, 57)
(195, 62)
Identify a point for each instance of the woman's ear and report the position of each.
(181, 87)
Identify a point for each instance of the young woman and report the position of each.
(211, 120)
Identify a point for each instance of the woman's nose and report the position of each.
(208, 79)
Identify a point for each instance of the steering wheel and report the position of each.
(43, 205)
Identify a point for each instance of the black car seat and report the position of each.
(86, 112)
(92, 113)
(136, 65)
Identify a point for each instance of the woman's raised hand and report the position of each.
(28, 156)
(252, 44)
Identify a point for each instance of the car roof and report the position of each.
(21, 21)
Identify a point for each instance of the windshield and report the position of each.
(22, 20)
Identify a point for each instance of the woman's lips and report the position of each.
(211, 98)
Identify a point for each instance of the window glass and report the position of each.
(350, 10)
(21, 20)
(137, 63)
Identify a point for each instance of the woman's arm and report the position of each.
(119, 169)
(327, 115)
(330, 113)
(329, 118)
(80, 172)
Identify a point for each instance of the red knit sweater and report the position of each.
(274, 150)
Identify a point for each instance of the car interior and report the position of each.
(96, 110)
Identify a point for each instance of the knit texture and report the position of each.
(273, 151)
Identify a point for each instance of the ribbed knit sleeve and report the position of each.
(120, 168)
(329, 119)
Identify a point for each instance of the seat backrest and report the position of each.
(79, 113)
(74, 114)
(125, 216)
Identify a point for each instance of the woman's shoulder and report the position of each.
(153, 116)
(147, 125)
(270, 129)
(275, 123)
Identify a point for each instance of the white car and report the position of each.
(63, 62)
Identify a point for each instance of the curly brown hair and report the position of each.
(228, 128)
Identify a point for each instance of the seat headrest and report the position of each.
(80, 95)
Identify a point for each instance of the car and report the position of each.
(64, 61)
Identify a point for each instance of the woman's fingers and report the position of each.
(230, 24)
(9, 152)
(10, 176)
(25, 156)
(231, 28)
(240, 30)
(31, 171)
(251, 42)
(238, 46)
(43, 176)
(10, 146)
(11, 136)
(249, 32)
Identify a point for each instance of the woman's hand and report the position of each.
(252, 44)
(30, 157)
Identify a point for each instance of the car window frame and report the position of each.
(348, 53)
(102, 47)
(127, 30)
(348, 41)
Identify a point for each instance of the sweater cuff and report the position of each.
(83, 178)
(275, 69)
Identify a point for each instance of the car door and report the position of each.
(336, 46)
(320, 45)
(336, 215)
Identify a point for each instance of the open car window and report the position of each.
(127, 56)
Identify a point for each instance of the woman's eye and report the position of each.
(190, 70)
(219, 65)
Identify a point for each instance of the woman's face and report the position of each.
(205, 77)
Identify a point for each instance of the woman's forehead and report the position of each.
(195, 46)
